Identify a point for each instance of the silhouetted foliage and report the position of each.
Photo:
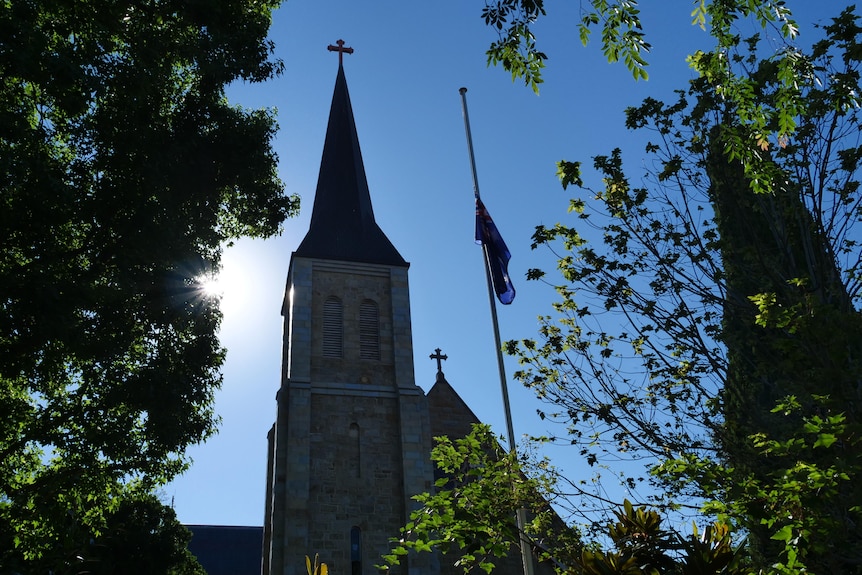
(123, 171)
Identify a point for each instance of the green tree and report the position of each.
(123, 172)
(734, 372)
(471, 514)
(471, 517)
(140, 536)
(705, 332)
(623, 39)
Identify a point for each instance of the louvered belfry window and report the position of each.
(333, 329)
(369, 330)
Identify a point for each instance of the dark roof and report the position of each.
(449, 414)
(342, 220)
(227, 550)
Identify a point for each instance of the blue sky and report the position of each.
(410, 60)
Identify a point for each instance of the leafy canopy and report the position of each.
(471, 519)
(624, 39)
(123, 171)
(711, 335)
(705, 333)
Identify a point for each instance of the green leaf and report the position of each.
(784, 534)
(825, 440)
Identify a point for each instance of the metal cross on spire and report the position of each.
(340, 49)
(439, 357)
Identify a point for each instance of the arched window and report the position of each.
(369, 330)
(354, 462)
(355, 551)
(333, 327)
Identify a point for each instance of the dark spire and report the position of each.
(342, 219)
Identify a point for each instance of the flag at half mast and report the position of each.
(488, 235)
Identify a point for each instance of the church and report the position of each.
(353, 431)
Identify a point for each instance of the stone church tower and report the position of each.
(350, 444)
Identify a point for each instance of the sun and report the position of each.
(213, 285)
(230, 287)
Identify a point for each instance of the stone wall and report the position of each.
(352, 436)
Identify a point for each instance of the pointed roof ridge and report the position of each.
(442, 388)
(449, 413)
(342, 218)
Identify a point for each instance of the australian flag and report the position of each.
(498, 254)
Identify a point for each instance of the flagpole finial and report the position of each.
(340, 49)
(462, 90)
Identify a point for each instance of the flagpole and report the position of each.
(526, 555)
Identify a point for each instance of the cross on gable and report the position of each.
(439, 357)
(340, 49)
